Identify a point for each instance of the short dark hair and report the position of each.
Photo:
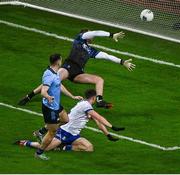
(54, 57)
(90, 93)
(84, 30)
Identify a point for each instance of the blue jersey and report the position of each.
(52, 79)
(81, 52)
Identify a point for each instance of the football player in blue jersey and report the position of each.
(51, 106)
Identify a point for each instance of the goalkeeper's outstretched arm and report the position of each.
(125, 63)
(92, 34)
(100, 33)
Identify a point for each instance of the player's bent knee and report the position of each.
(64, 73)
(99, 80)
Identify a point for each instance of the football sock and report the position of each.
(28, 143)
(31, 95)
(99, 98)
(43, 131)
(39, 151)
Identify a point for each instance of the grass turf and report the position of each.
(146, 100)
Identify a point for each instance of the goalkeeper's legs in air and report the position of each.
(99, 83)
(79, 78)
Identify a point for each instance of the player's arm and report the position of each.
(68, 93)
(44, 93)
(100, 33)
(47, 80)
(105, 131)
(101, 127)
(126, 63)
(102, 120)
(99, 118)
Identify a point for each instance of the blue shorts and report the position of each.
(51, 116)
(66, 137)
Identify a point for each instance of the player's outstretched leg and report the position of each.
(29, 96)
(99, 83)
(27, 143)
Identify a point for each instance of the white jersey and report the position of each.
(78, 118)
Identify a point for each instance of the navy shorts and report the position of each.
(51, 116)
(66, 137)
(73, 69)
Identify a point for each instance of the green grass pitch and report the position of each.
(146, 101)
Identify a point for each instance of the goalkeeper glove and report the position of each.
(117, 36)
(114, 128)
(111, 138)
(128, 64)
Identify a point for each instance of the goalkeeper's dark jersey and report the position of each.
(81, 52)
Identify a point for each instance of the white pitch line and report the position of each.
(95, 45)
(98, 131)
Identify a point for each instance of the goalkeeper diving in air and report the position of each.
(73, 67)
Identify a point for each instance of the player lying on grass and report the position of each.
(69, 134)
(73, 67)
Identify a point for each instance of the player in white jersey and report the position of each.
(69, 134)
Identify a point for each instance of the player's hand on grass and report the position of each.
(78, 98)
(112, 138)
(130, 66)
(117, 36)
(114, 128)
(50, 99)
